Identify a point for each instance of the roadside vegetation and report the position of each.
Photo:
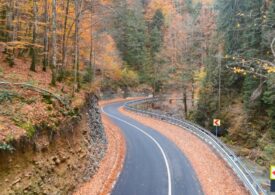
(53, 53)
(242, 53)
(215, 59)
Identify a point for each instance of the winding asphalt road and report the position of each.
(153, 164)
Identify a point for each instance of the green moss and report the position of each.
(9, 138)
(30, 129)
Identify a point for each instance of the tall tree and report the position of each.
(9, 17)
(34, 35)
(132, 39)
(156, 32)
(76, 48)
(54, 43)
(156, 41)
(64, 46)
(46, 39)
(91, 69)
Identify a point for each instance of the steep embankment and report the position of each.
(55, 162)
(111, 165)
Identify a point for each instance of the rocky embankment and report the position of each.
(56, 162)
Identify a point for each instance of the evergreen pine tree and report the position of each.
(156, 32)
(269, 99)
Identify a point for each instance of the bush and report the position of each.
(47, 99)
(6, 147)
(63, 74)
(29, 128)
(6, 95)
(10, 59)
(88, 75)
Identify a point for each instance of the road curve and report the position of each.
(153, 164)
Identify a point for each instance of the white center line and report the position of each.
(155, 141)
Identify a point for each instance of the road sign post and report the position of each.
(272, 178)
(217, 124)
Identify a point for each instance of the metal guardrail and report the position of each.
(228, 155)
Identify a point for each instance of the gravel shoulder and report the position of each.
(215, 176)
(111, 165)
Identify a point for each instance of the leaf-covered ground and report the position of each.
(24, 110)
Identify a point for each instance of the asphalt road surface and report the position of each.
(153, 164)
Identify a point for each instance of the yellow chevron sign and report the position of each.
(272, 172)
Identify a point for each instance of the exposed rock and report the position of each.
(57, 167)
(57, 161)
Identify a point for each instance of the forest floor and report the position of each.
(52, 149)
(24, 109)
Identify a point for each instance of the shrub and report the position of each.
(6, 147)
(47, 99)
(6, 95)
(30, 129)
(10, 59)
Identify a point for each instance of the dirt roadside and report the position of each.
(111, 165)
(55, 162)
(215, 176)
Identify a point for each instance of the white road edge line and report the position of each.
(155, 141)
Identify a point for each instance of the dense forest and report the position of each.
(240, 77)
(217, 55)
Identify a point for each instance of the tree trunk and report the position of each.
(9, 18)
(34, 34)
(193, 93)
(185, 101)
(15, 16)
(54, 45)
(155, 80)
(64, 46)
(125, 92)
(91, 66)
(46, 39)
(10, 28)
(76, 49)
